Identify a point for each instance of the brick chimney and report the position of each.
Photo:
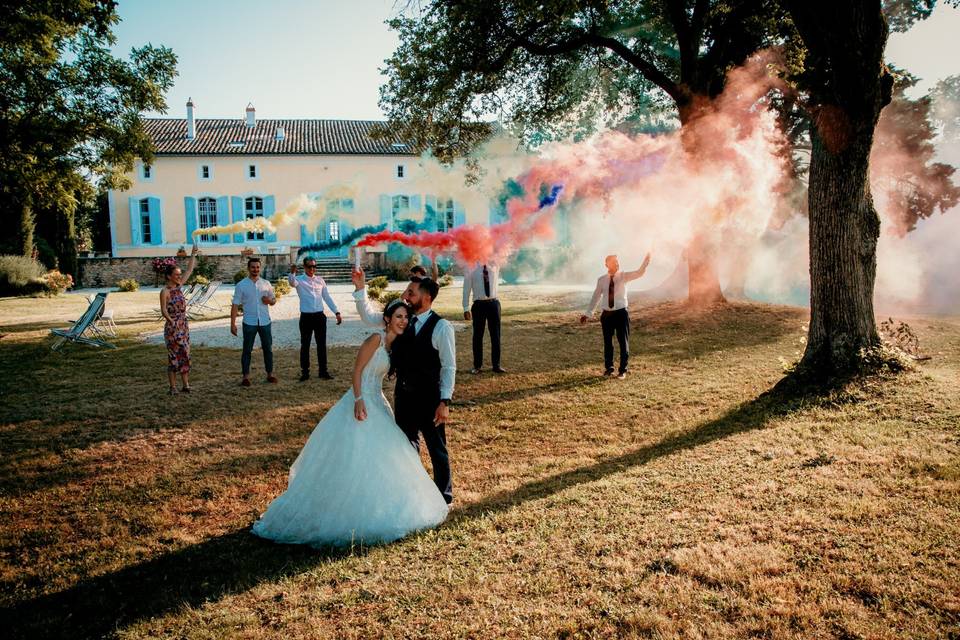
(251, 116)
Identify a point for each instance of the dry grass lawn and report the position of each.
(679, 502)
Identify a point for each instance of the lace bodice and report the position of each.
(371, 380)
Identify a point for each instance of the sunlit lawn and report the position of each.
(680, 501)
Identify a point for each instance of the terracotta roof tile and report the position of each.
(226, 136)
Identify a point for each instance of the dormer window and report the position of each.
(205, 172)
(400, 170)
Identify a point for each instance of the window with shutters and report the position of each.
(207, 210)
(253, 208)
(445, 214)
(145, 231)
(399, 206)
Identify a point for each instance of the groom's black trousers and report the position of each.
(615, 322)
(414, 413)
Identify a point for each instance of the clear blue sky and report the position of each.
(320, 58)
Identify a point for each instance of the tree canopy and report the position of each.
(561, 67)
(69, 110)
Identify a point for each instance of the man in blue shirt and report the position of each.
(313, 292)
(257, 296)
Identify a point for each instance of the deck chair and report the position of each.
(204, 302)
(85, 329)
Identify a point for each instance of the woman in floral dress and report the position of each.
(176, 333)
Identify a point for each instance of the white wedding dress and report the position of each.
(355, 482)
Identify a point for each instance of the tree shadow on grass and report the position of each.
(779, 401)
(208, 571)
(237, 561)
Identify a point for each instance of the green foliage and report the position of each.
(445, 280)
(197, 279)
(379, 282)
(71, 111)
(557, 69)
(281, 287)
(205, 268)
(128, 284)
(387, 297)
(20, 275)
(239, 275)
(524, 264)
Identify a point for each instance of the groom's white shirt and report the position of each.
(442, 339)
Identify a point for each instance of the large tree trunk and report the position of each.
(844, 228)
(848, 87)
(704, 283)
(703, 280)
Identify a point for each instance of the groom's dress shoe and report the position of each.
(499, 370)
(272, 379)
(245, 382)
(304, 377)
(608, 372)
(475, 370)
(325, 375)
(622, 375)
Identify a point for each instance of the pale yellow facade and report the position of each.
(172, 179)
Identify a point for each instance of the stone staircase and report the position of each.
(337, 270)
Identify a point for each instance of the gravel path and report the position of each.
(285, 316)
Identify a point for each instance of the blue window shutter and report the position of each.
(223, 218)
(190, 207)
(430, 213)
(156, 221)
(236, 204)
(134, 221)
(385, 211)
(416, 207)
(269, 207)
(459, 215)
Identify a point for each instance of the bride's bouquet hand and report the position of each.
(359, 410)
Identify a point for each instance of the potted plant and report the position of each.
(246, 251)
(181, 252)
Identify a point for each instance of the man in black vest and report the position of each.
(425, 361)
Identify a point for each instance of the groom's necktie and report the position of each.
(413, 324)
(486, 281)
(610, 294)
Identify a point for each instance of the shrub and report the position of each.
(195, 279)
(387, 297)
(445, 280)
(204, 267)
(281, 288)
(57, 282)
(239, 275)
(380, 282)
(20, 275)
(128, 284)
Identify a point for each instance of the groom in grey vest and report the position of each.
(425, 360)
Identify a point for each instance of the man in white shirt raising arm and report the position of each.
(612, 292)
(313, 293)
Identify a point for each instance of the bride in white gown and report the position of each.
(357, 479)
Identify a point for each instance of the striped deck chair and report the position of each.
(84, 330)
(199, 304)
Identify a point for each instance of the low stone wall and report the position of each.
(106, 272)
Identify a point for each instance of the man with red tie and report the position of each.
(482, 283)
(612, 292)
